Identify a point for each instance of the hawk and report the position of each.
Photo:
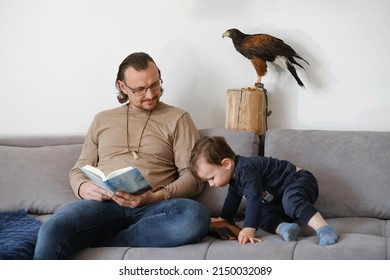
(260, 48)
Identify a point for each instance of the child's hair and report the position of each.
(212, 149)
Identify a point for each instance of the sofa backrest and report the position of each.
(352, 168)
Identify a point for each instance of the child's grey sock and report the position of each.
(327, 235)
(289, 231)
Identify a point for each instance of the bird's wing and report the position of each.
(266, 47)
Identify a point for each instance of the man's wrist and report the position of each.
(79, 189)
(161, 192)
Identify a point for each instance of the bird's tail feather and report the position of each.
(292, 60)
(292, 70)
(301, 58)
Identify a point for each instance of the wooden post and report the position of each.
(246, 110)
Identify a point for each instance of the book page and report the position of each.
(119, 171)
(94, 171)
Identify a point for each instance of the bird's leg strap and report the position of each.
(259, 85)
(258, 82)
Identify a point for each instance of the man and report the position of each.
(157, 139)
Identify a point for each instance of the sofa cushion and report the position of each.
(36, 178)
(243, 142)
(352, 168)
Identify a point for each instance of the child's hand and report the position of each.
(219, 219)
(248, 235)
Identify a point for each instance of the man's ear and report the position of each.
(121, 85)
(227, 163)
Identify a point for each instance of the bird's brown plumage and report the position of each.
(260, 48)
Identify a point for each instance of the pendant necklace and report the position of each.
(135, 153)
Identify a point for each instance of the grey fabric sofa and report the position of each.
(352, 168)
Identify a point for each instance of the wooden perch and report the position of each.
(246, 110)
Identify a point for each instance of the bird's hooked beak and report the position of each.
(226, 34)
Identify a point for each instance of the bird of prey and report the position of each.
(260, 48)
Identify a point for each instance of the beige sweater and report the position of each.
(164, 150)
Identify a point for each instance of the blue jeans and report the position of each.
(85, 223)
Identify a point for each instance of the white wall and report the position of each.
(58, 60)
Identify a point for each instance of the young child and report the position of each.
(276, 191)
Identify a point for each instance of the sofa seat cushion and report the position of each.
(350, 246)
(361, 225)
(272, 248)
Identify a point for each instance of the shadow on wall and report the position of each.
(186, 82)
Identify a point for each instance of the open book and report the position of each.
(127, 179)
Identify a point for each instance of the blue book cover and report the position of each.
(127, 179)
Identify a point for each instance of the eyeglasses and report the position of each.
(143, 90)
